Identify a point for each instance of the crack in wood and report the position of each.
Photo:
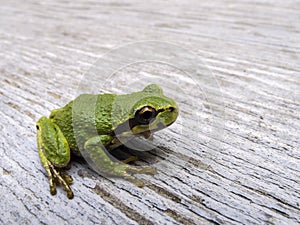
(132, 214)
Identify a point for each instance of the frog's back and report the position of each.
(86, 116)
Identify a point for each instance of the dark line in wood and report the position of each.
(122, 207)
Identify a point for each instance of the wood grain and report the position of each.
(238, 163)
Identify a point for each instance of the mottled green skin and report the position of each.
(90, 124)
(83, 120)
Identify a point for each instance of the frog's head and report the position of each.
(143, 112)
(150, 111)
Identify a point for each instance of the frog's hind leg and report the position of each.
(95, 154)
(54, 154)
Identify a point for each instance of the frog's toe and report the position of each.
(70, 193)
(146, 170)
(135, 181)
(62, 178)
(139, 183)
(52, 189)
(67, 178)
(130, 159)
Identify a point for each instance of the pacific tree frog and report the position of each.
(115, 118)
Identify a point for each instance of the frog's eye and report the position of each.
(145, 115)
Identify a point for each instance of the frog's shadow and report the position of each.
(144, 158)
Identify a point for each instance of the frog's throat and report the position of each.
(130, 127)
(142, 129)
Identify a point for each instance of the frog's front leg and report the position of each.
(54, 154)
(95, 154)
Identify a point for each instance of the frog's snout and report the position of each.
(173, 115)
(167, 117)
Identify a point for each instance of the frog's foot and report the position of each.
(130, 159)
(54, 154)
(134, 170)
(65, 176)
(146, 170)
(59, 176)
(135, 181)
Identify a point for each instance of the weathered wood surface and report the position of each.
(249, 175)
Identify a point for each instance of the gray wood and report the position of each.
(247, 174)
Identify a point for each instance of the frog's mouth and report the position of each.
(149, 133)
(128, 129)
(148, 130)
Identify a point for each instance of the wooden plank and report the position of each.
(237, 164)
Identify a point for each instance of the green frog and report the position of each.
(93, 125)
